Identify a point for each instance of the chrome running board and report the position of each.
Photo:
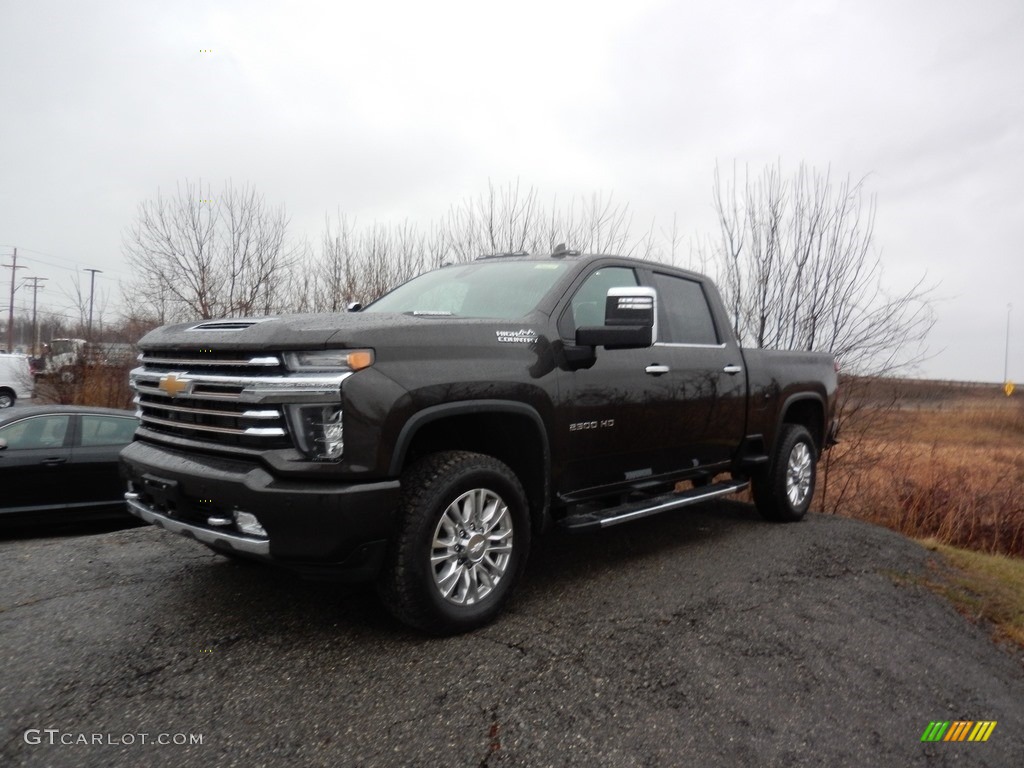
(625, 513)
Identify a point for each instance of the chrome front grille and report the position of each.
(210, 361)
(232, 399)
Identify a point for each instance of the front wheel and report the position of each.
(7, 398)
(463, 539)
(783, 491)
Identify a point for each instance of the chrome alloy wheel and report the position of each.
(799, 473)
(472, 546)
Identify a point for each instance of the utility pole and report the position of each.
(92, 287)
(1006, 358)
(36, 288)
(10, 310)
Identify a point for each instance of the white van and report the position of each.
(15, 379)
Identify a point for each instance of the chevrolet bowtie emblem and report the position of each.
(174, 386)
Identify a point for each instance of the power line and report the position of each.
(75, 262)
(76, 268)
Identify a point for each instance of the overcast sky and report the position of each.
(398, 110)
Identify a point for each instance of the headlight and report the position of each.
(318, 430)
(329, 360)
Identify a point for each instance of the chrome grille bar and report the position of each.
(308, 388)
(266, 362)
(248, 432)
(263, 414)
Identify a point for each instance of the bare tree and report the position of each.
(511, 220)
(361, 264)
(194, 255)
(505, 221)
(79, 302)
(798, 270)
(336, 275)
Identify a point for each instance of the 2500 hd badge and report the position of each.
(581, 426)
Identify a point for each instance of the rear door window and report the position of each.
(685, 317)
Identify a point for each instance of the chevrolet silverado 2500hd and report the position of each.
(425, 440)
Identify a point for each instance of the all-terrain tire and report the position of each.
(462, 543)
(783, 491)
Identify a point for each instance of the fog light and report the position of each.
(319, 431)
(247, 523)
(333, 441)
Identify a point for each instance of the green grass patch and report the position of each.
(987, 588)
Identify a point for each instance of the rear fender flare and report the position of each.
(817, 430)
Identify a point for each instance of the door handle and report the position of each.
(656, 370)
(732, 370)
(53, 462)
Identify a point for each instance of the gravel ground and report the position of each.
(702, 638)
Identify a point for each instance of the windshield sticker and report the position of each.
(522, 336)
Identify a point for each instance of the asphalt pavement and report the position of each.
(704, 638)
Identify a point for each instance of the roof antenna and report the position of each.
(560, 251)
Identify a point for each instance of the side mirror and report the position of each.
(630, 320)
(3, 444)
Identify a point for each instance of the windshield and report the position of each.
(63, 346)
(500, 290)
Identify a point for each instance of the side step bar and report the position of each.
(634, 511)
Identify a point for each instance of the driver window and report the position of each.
(587, 305)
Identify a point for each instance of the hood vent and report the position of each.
(229, 325)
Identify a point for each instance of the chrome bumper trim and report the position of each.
(245, 544)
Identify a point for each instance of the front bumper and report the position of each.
(215, 537)
(320, 529)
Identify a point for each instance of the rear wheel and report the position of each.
(783, 491)
(463, 539)
(7, 398)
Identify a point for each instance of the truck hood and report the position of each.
(316, 331)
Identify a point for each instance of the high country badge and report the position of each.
(522, 336)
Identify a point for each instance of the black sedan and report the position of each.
(62, 461)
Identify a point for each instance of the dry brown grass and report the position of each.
(86, 385)
(948, 465)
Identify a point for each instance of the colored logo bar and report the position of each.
(958, 730)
